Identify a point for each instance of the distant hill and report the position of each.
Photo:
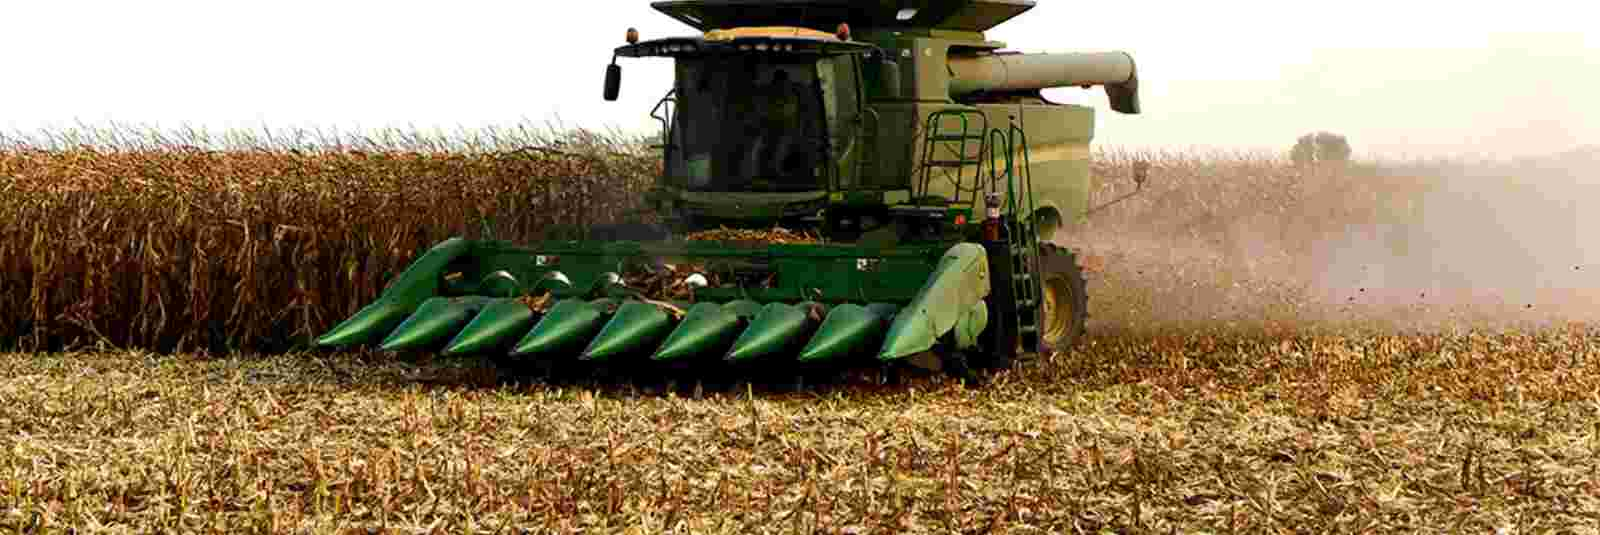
(1587, 156)
(1588, 153)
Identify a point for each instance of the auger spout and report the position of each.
(1022, 72)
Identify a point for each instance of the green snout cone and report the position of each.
(564, 326)
(368, 326)
(776, 329)
(636, 325)
(848, 329)
(912, 332)
(499, 324)
(707, 328)
(434, 322)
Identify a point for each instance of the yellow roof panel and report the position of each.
(767, 31)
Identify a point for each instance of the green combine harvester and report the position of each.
(922, 164)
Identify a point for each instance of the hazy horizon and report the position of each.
(1397, 80)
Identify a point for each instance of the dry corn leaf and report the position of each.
(538, 304)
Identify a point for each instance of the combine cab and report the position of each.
(844, 183)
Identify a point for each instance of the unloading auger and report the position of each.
(922, 163)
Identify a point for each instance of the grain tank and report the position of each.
(919, 162)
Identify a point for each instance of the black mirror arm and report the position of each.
(891, 70)
(1141, 175)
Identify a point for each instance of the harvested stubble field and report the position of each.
(1227, 385)
(1187, 432)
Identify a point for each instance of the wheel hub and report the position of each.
(1056, 311)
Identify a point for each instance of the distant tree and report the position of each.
(1320, 147)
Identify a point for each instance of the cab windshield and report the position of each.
(747, 123)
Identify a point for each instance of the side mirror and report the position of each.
(613, 81)
(890, 77)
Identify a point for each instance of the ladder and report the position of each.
(993, 146)
(1021, 233)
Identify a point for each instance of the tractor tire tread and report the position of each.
(1056, 261)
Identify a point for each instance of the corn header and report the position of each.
(915, 168)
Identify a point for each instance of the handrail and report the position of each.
(1027, 168)
(1019, 183)
(1032, 223)
(861, 139)
(663, 112)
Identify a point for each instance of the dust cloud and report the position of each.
(1406, 246)
(1509, 232)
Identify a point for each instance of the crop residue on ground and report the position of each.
(1469, 432)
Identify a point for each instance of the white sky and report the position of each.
(1396, 77)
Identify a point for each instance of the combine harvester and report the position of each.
(922, 159)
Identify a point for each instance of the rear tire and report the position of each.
(1064, 299)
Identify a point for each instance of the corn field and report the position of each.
(154, 243)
